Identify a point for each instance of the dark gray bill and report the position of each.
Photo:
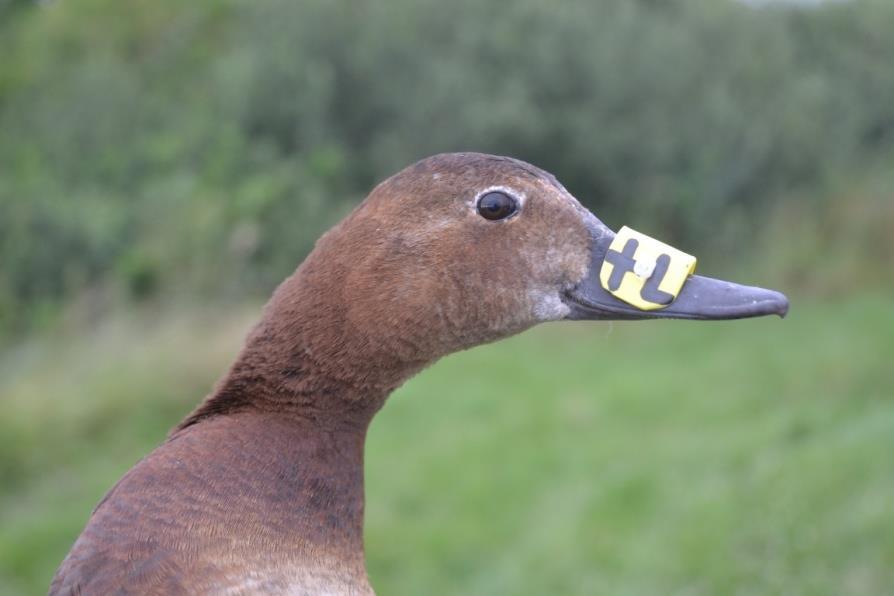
(701, 298)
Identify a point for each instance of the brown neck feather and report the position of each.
(283, 432)
(257, 495)
(286, 382)
(324, 349)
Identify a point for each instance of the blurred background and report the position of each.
(163, 165)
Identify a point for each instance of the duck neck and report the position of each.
(291, 414)
(307, 361)
(285, 380)
(298, 434)
(321, 351)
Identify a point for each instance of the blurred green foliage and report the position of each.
(201, 147)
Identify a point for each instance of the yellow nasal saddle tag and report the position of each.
(643, 271)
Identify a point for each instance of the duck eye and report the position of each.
(496, 205)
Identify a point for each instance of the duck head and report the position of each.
(465, 248)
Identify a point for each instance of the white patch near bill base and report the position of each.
(548, 306)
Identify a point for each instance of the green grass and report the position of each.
(752, 457)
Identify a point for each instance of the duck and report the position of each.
(260, 488)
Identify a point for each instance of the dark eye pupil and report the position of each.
(496, 205)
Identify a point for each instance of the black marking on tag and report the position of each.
(622, 263)
(650, 289)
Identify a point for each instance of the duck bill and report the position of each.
(700, 298)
